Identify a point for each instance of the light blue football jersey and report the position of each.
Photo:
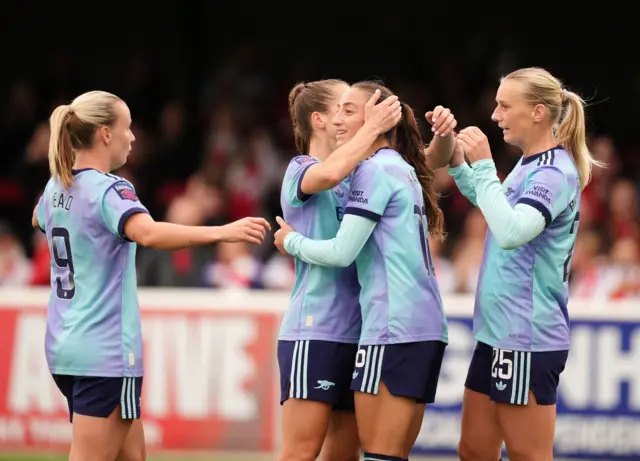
(522, 296)
(324, 301)
(400, 297)
(93, 317)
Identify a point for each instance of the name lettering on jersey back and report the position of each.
(61, 200)
(540, 192)
(358, 196)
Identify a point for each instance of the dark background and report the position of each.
(207, 85)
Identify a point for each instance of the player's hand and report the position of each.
(457, 158)
(442, 121)
(250, 230)
(474, 143)
(383, 116)
(281, 234)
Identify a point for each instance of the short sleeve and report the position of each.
(119, 203)
(40, 214)
(370, 191)
(292, 185)
(549, 191)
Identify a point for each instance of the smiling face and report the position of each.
(333, 106)
(350, 116)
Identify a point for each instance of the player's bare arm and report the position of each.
(144, 230)
(440, 149)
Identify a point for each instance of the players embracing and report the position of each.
(389, 207)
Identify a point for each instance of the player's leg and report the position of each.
(390, 381)
(103, 410)
(414, 428)
(384, 422)
(527, 416)
(308, 394)
(134, 448)
(481, 437)
(342, 442)
(97, 438)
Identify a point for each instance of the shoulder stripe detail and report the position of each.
(547, 158)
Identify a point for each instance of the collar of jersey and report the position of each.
(381, 149)
(80, 170)
(531, 158)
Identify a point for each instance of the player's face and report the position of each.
(332, 109)
(350, 116)
(121, 136)
(513, 113)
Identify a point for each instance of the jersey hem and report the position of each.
(403, 340)
(95, 373)
(521, 348)
(331, 339)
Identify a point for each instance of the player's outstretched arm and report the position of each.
(379, 118)
(340, 251)
(142, 229)
(462, 174)
(441, 147)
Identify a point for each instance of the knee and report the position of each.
(132, 454)
(472, 452)
(303, 452)
(340, 455)
(519, 454)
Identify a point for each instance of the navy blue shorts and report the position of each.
(506, 376)
(408, 370)
(317, 370)
(92, 396)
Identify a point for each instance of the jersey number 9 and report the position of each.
(60, 236)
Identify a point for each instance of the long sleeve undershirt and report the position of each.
(340, 251)
(511, 227)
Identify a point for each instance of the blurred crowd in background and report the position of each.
(224, 159)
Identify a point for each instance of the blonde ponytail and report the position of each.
(61, 155)
(73, 129)
(571, 134)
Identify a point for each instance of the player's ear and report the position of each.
(539, 112)
(104, 135)
(317, 120)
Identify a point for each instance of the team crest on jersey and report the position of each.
(126, 192)
(304, 159)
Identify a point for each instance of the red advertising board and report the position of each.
(209, 381)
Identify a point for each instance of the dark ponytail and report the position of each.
(407, 141)
(405, 138)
